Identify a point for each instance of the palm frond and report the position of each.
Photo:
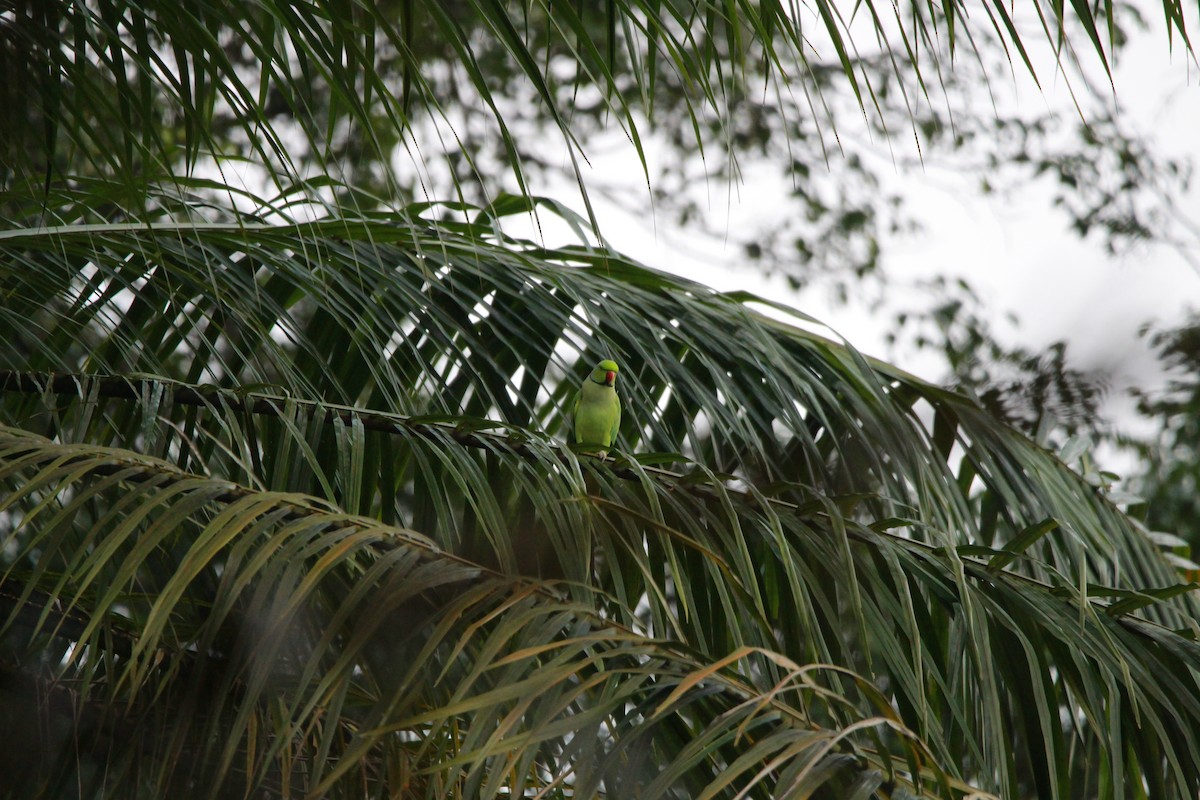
(284, 92)
(778, 494)
(212, 638)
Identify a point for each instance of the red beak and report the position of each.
(609, 377)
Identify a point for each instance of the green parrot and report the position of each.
(597, 407)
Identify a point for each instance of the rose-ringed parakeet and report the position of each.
(598, 408)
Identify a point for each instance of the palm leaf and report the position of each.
(417, 371)
(264, 639)
(233, 85)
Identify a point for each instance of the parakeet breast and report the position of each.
(598, 412)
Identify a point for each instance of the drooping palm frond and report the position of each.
(209, 639)
(280, 93)
(790, 502)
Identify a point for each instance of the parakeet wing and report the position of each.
(616, 424)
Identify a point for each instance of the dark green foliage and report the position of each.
(284, 508)
(1170, 483)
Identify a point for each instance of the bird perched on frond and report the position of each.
(598, 407)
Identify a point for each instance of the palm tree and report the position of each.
(287, 512)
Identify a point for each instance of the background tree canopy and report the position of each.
(286, 509)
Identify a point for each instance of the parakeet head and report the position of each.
(605, 373)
